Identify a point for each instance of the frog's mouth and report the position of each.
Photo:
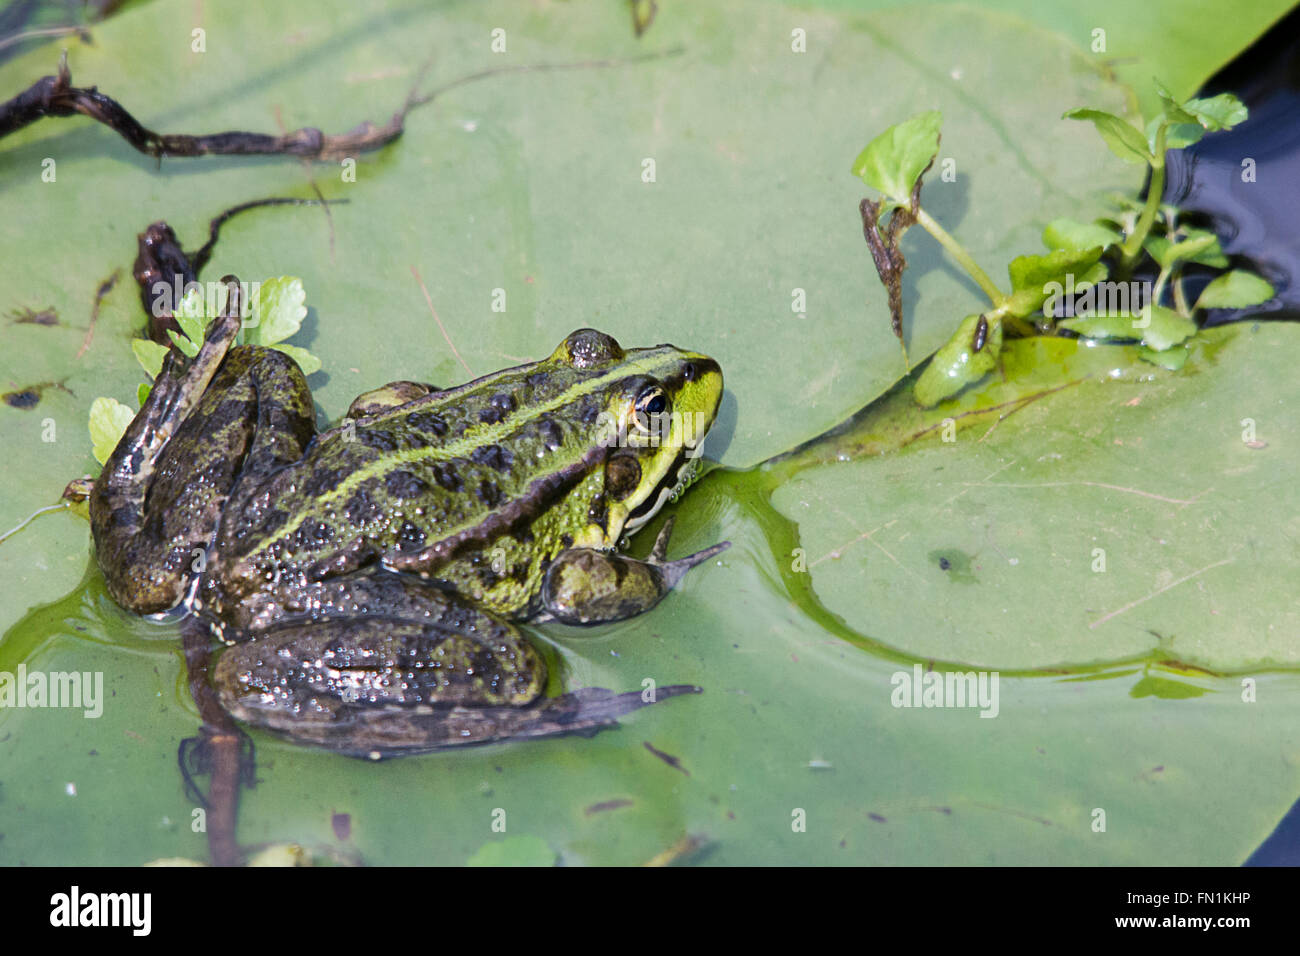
(680, 475)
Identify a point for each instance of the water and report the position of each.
(1255, 220)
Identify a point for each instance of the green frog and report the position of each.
(368, 578)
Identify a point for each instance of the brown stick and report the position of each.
(56, 96)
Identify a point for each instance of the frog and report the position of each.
(368, 582)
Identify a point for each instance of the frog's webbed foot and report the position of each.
(198, 757)
(393, 731)
(673, 571)
(586, 586)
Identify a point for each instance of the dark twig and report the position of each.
(56, 96)
(199, 258)
(161, 259)
(885, 251)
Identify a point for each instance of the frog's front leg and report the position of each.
(585, 586)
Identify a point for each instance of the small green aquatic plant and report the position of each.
(1085, 283)
(276, 309)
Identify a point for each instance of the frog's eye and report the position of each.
(651, 410)
(653, 400)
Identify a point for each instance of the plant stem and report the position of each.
(1132, 247)
(1180, 297)
(961, 255)
(1161, 280)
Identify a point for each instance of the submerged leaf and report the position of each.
(1156, 327)
(965, 358)
(1237, 289)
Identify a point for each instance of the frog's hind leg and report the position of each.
(142, 573)
(157, 503)
(426, 673)
(403, 732)
(403, 688)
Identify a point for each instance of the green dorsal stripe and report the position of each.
(655, 362)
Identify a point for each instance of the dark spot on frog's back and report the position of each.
(405, 484)
(324, 480)
(361, 508)
(410, 537)
(494, 456)
(485, 575)
(312, 535)
(431, 423)
(499, 406)
(489, 493)
(377, 438)
(274, 521)
(235, 410)
(447, 477)
(550, 433)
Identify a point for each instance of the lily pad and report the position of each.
(530, 190)
(1093, 538)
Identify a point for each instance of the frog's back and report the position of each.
(463, 466)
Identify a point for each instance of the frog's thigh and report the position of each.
(318, 671)
(256, 411)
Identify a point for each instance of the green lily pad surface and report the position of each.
(689, 186)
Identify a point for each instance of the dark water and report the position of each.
(1255, 220)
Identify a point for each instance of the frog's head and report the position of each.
(657, 405)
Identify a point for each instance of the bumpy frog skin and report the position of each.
(368, 575)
